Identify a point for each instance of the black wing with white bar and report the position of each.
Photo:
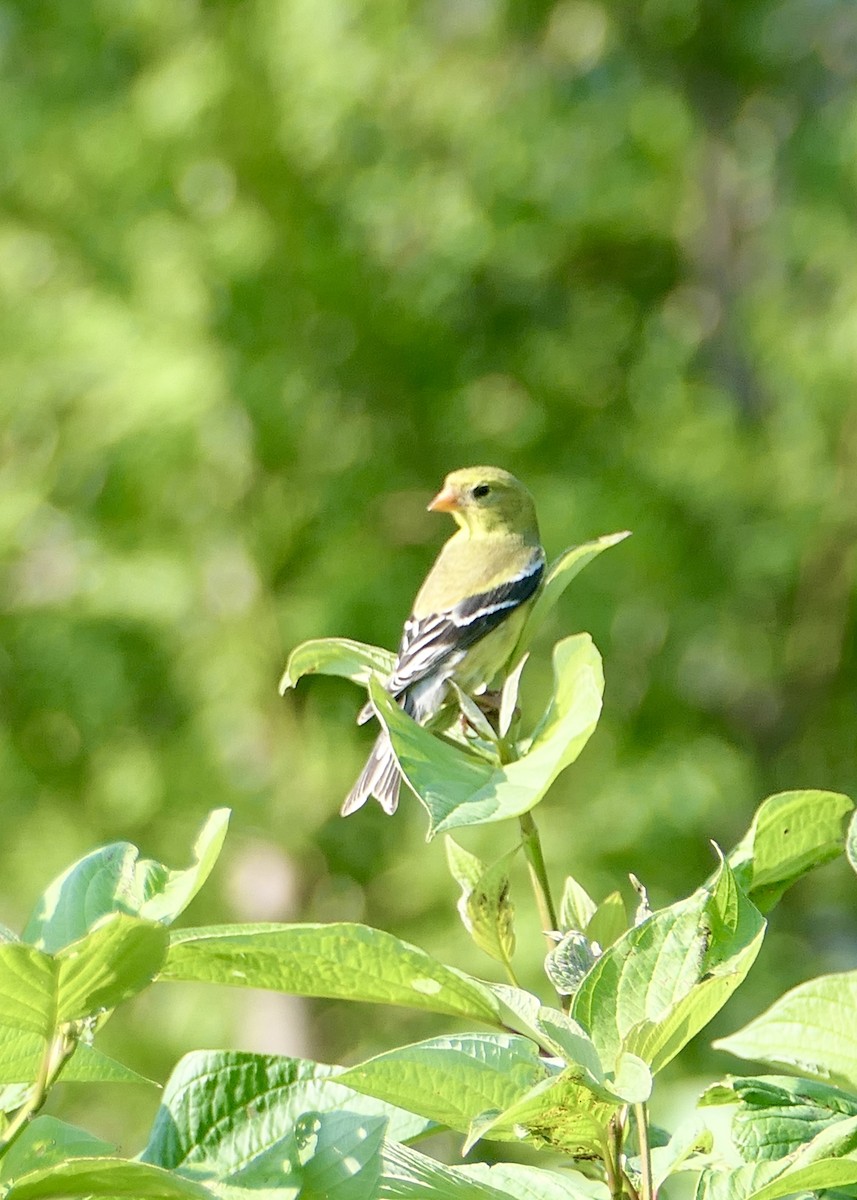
(442, 639)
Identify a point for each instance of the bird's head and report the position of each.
(486, 500)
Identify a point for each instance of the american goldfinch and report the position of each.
(468, 614)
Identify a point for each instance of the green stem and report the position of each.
(510, 973)
(613, 1157)
(57, 1053)
(538, 873)
(647, 1186)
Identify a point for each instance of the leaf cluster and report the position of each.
(568, 1076)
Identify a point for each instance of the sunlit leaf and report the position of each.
(485, 906)
(791, 833)
(459, 789)
(233, 1111)
(46, 1142)
(576, 907)
(559, 575)
(336, 656)
(608, 922)
(811, 1029)
(664, 979)
(452, 1079)
(558, 1113)
(115, 879)
(776, 1115)
(337, 960)
(107, 1177)
(523, 1182)
(829, 1161)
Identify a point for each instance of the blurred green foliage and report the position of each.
(269, 270)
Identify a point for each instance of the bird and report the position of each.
(467, 616)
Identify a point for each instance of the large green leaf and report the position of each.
(408, 1175)
(39, 992)
(341, 960)
(233, 1111)
(452, 1080)
(105, 1177)
(339, 1155)
(776, 1115)
(115, 879)
(336, 656)
(664, 979)
(811, 1029)
(828, 1161)
(791, 833)
(559, 575)
(534, 1183)
(458, 788)
(46, 1142)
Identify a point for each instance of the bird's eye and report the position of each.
(481, 489)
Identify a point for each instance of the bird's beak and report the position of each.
(445, 501)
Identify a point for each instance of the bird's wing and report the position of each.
(440, 640)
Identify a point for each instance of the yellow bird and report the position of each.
(468, 614)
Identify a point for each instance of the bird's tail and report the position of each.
(380, 778)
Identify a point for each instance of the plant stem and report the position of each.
(57, 1052)
(647, 1187)
(613, 1157)
(510, 973)
(538, 873)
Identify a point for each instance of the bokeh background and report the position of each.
(271, 268)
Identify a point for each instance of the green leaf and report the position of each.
(452, 1079)
(559, 575)
(811, 1029)
(39, 993)
(336, 656)
(558, 1113)
(632, 1079)
(458, 788)
(409, 1175)
(534, 1183)
(485, 907)
(791, 833)
(682, 1151)
(664, 979)
(233, 1111)
(46, 1142)
(27, 990)
(113, 962)
(776, 1115)
(509, 698)
(105, 1177)
(608, 922)
(828, 1161)
(568, 962)
(115, 879)
(576, 908)
(570, 1042)
(339, 961)
(21, 1055)
(339, 1155)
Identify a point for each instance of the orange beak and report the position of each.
(445, 501)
